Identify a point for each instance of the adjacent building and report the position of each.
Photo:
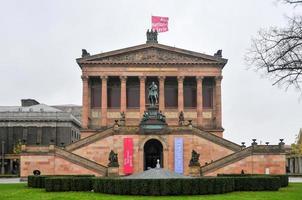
(33, 123)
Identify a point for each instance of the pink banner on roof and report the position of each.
(160, 24)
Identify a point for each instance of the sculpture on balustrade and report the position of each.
(113, 159)
(194, 159)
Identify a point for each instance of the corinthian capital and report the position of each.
(84, 78)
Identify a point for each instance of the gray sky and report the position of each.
(40, 40)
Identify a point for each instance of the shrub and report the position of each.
(283, 177)
(36, 181)
(68, 183)
(39, 181)
(190, 186)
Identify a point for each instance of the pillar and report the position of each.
(180, 80)
(85, 100)
(199, 101)
(104, 101)
(123, 93)
(142, 99)
(162, 93)
(39, 135)
(218, 101)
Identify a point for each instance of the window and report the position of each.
(190, 92)
(96, 93)
(133, 92)
(114, 92)
(207, 92)
(171, 92)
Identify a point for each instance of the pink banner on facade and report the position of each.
(128, 155)
(160, 24)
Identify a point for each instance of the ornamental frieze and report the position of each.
(151, 55)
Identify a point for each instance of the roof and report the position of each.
(151, 53)
(34, 108)
(40, 112)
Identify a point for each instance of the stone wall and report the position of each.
(254, 164)
(50, 164)
(99, 150)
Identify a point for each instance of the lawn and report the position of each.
(21, 191)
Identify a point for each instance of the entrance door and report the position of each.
(153, 150)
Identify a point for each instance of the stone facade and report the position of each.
(155, 61)
(116, 82)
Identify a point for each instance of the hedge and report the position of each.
(257, 183)
(283, 177)
(188, 186)
(60, 184)
(39, 181)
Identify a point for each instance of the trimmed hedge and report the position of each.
(62, 184)
(257, 183)
(39, 181)
(283, 177)
(154, 187)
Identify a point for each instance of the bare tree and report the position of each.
(292, 1)
(278, 52)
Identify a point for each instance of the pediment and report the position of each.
(155, 53)
(151, 55)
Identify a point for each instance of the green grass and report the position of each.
(22, 192)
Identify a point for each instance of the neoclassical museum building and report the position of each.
(152, 104)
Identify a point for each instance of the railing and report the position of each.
(218, 140)
(89, 139)
(226, 160)
(254, 149)
(86, 163)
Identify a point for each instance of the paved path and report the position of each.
(9, 180)
(295, 179)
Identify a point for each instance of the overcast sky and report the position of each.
(40, 40)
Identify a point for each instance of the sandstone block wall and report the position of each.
(254, 164)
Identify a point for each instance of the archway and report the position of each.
(153, 150)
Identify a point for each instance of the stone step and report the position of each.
(79, 160)
(90, 139)
(239, 155)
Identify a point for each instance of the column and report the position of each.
(39, 135)
(104, 101)
(142, 100)
(218, 101)
(199, 100)
(85, 101)
(162, 93)
(123, 93)
(180, 80)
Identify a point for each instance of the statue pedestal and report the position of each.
(112, 171)
(194, 171)
(153, 121)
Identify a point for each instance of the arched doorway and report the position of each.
(153, 150)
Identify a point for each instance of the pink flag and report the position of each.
(160, 24)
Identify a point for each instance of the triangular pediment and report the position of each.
(151, 53)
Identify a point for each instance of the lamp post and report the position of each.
(2, 158)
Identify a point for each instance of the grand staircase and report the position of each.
(90, 139)
(81, 161)
(239, 155)
(216, 139)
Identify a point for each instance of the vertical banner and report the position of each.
(128, 155)
(178, 155)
